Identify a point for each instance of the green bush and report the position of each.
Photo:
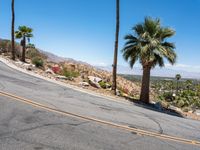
(38, 61)
(102, 84)
(70, 74)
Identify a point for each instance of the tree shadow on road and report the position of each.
(155, 107)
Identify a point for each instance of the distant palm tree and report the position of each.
(148, 45)
(114, 85)
(13, 30)
(23, 33)
(178, 77)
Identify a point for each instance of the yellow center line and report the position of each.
(127, 128)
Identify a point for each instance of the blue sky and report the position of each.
(85, 29)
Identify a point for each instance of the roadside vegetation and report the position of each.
(181, 93)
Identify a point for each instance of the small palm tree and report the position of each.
(148, 45)
(178, 77)
(24, 33)
(13, 30)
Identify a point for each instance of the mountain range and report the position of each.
(161, 72)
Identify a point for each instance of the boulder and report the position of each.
(84, 84)
(174, 108)
(94, 81)
(62, 77)
(197, 112)
(49, 71)
(94, 84)
(29, 67)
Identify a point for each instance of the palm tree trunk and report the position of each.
(114, 86)
(176, 87)
(24, 50)
(13, 30)
(144, 95)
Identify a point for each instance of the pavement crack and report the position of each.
(10, 134)
(41, 145)
(155, 121)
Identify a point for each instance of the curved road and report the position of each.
(23, 126)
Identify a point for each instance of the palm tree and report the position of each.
(178, 77)
(23, 33)
(148, 45)
(114, 86)
(13, 30)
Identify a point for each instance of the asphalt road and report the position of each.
(23, 126)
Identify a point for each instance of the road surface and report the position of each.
(27, 126)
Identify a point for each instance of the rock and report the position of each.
(29, 67)
(94, 81)
(19, 62)
(152, 102)
(197, 112)
(84, 84)
(174, 108)
(118, 93)
(94, 84)
(62, 77)
(49, 71)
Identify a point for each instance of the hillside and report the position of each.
(77, 72)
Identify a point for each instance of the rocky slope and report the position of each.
(125, 86)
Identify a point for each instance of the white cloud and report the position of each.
(185, 67)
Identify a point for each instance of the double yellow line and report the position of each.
(123, 127)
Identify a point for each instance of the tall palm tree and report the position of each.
(13, 30)
(148, 45)
(23, 33)
(178, 77)
(114, 86)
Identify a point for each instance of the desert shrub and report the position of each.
(37, 61)
(102, 84)
(70, 74)
(57, 70)
(168, 96)
(33, 52)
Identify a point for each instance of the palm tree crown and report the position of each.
(148, 45)
(178, 77)
(24, 33)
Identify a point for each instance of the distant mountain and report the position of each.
(161, 72)
(57, 59)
